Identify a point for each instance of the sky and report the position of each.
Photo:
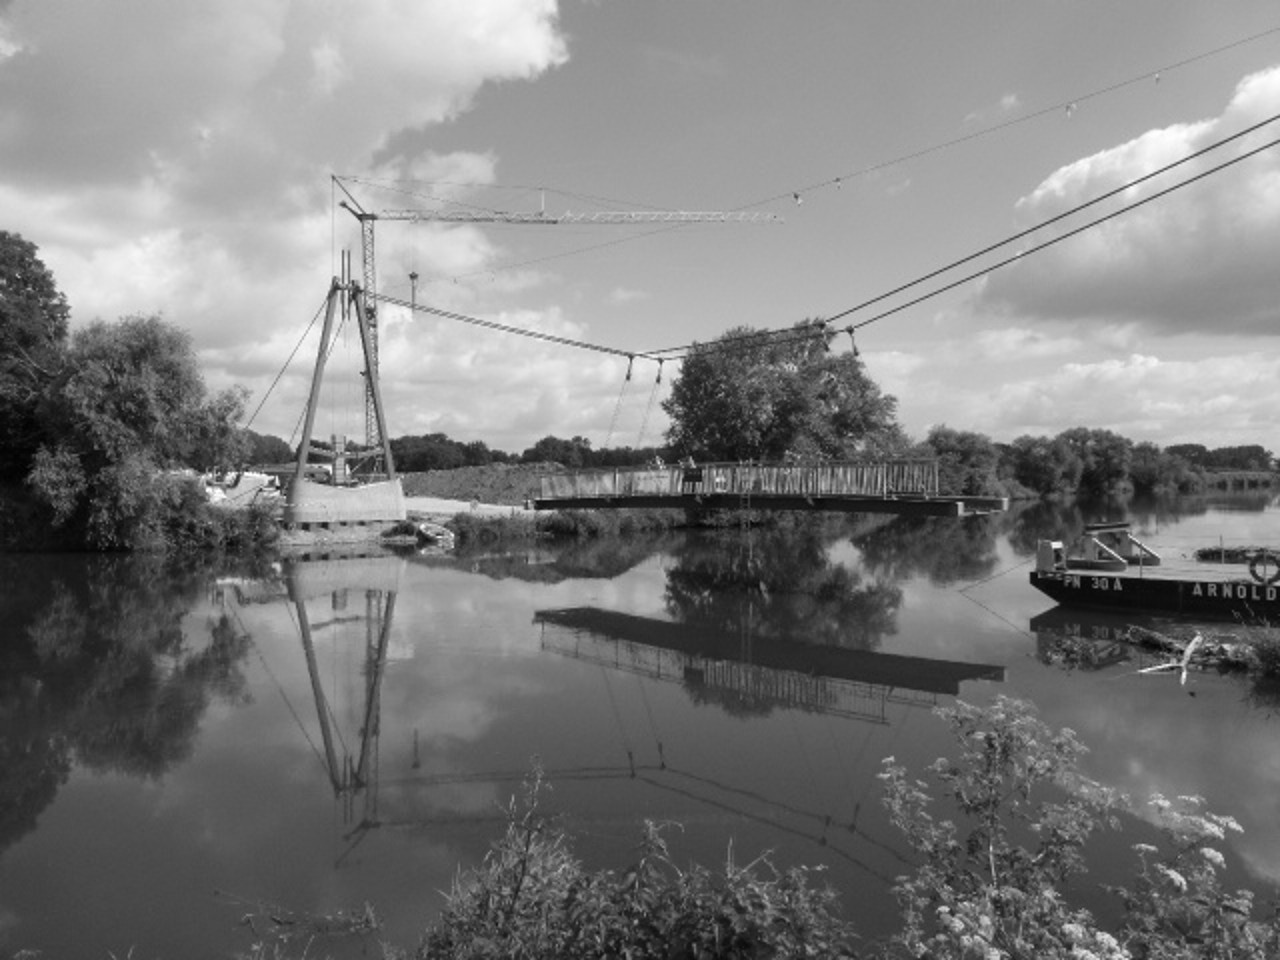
(178, 157)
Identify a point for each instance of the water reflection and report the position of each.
(945, 550)
(98, 670)
(751, 674)
(163, 734)
(594, 558)
(1092, 640)
(374, 581)
(777, 584)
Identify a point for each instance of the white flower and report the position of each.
(1174, 877)
(1213, 856)
(1073, 931)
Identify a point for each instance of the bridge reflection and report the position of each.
(349, 605)
(764, 671)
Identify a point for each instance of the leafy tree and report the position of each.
(1048, 466)
(967, 462)
(129, 404)
(1194, 453)
(262, 449)
(430, 452)
(33, 329)
(755, 395)
(1104, 458)
(1153, 470)
(1250, 457)
(571, 453)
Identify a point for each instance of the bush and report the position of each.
(476, 528)
(1266, 651)
(531, 898)
(980, 894)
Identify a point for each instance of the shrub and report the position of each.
(1266, 651)
(1178, 907)
(980, 894)
(531, 898)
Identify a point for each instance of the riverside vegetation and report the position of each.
(999, 831)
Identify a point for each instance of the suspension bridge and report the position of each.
(907, 487)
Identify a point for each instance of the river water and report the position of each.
(191, 762)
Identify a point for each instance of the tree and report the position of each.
(265, 449)
(1104, 458)
(33, 330)
(1196, 454)
(570, 453)
(128, 404)
(1251, 457)
(1153, 470)
(756, 395)
(967, 462)
(1048, 466)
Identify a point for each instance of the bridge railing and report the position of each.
(866, 478)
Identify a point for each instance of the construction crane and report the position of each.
(367, 219)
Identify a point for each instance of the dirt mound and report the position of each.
(501, 483)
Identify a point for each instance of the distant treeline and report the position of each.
(436, 451)
(1081, 461)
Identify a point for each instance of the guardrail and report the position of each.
(833, 478)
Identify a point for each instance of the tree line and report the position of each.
(1081, 462)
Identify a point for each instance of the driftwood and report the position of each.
(1198, 652)
(1181, 664)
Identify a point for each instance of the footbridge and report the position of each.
(908, 487)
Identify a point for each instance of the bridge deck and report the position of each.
(887, 486)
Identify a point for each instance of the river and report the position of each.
(191, 762)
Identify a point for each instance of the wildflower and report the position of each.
(1174, 877)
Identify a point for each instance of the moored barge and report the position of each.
(1109, 569)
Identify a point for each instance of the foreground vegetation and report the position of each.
(1000, 832)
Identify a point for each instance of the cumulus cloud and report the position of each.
(1198, 260)
(174, 156)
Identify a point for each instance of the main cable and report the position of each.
(1052, 220)
(1070, 233)
(506, 328)
(746, 341)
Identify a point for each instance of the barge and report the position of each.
(1109, 569)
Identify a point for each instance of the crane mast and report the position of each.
(367, 219)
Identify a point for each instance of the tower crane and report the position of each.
(367, 219)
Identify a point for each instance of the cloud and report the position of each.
(1225, 399)
(1200, 259)
(181, 127)
(174, 156)
(626, 295)
(1006, 104)
(1012, 342)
